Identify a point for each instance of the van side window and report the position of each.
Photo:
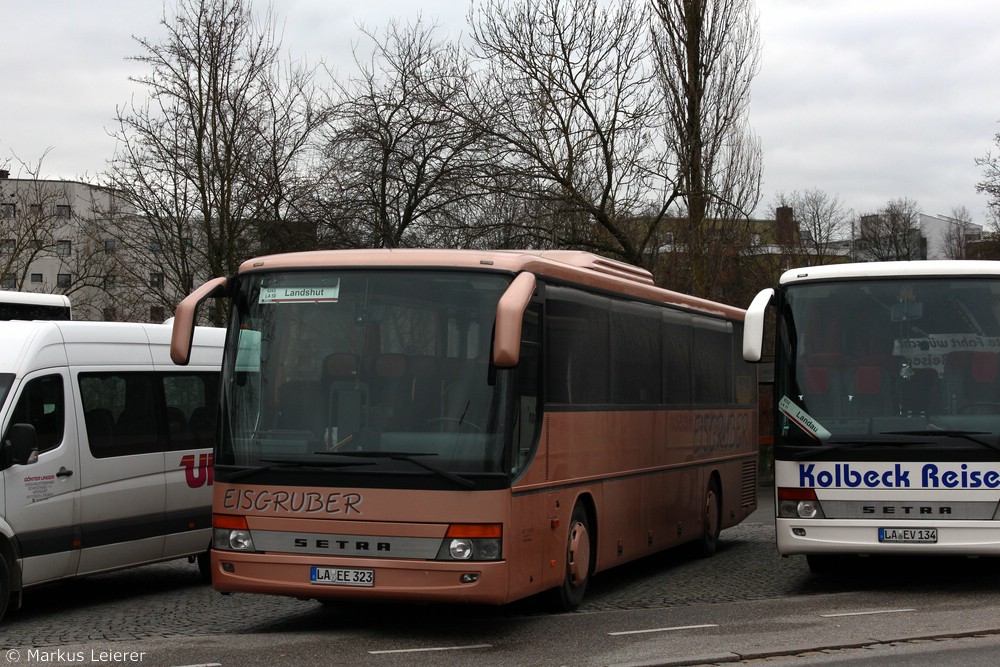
(42, 404)
(130, 413)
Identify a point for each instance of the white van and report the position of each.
(106, 455)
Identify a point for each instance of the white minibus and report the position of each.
(106, 454)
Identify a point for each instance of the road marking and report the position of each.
(679, 627)
(432, 648)
(866, 613)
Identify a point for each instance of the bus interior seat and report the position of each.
(971, 380)
(823, 386)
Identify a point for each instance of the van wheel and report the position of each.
(712, 520)
(5, 586)
(579, 562)
(205, 566)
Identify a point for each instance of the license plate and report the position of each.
(342, 576)
(908, 535)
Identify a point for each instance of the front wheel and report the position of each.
(5, 586)
(711, 521)
(579, 561)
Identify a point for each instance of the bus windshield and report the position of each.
(892, 362)
(371, 374)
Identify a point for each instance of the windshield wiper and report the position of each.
(280, 464)
(410, 457)
(966, 435)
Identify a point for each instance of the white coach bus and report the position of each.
(887, 428)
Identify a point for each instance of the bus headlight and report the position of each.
(230, 533)
(232, 540)
(799, 504)
(471, 542)
(808, 509)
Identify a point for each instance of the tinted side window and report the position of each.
(635, 354)
(676, 358)
(42, 404)
(712, 361)
(576, 347)
(141, 412)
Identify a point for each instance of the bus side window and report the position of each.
(42, 404)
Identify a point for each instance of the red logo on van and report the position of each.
(200, 472)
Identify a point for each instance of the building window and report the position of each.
(63, 280)
(35, 210)
(155, 247)
(7, 210)
(36, 278)
(109, 245)
(8, 246)
(110, 281)
(62, 211)
(156, 314)
(188, 245)
(110, 314)
(156, 280)
(8, 282)
(64, 248)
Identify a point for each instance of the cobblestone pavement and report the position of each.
(169, 600)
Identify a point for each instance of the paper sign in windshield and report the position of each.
(326, 294)
(801, 418)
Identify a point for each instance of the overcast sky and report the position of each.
(867, 100)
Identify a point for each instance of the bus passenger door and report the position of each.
(42, 496)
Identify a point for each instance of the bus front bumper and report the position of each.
(842, 536)
(477, 582)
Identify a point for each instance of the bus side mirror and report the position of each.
(753, 325)
(20, 446)
(185, 316)
(510, 316)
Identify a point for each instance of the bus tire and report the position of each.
(711, 521)
(579, 561)
(5, 586)
(822, 564)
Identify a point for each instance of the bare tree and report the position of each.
(893, 233)
(400, 156)
(955, 240)
(566, 97)
(822, 220)
(707, 53)
(210, 161)
(990, 185)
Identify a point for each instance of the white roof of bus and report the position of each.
(912, 269)
(36, 298)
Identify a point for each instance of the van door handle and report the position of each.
(63, 472)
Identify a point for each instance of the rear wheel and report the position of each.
(579, 561)
(711, 520)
